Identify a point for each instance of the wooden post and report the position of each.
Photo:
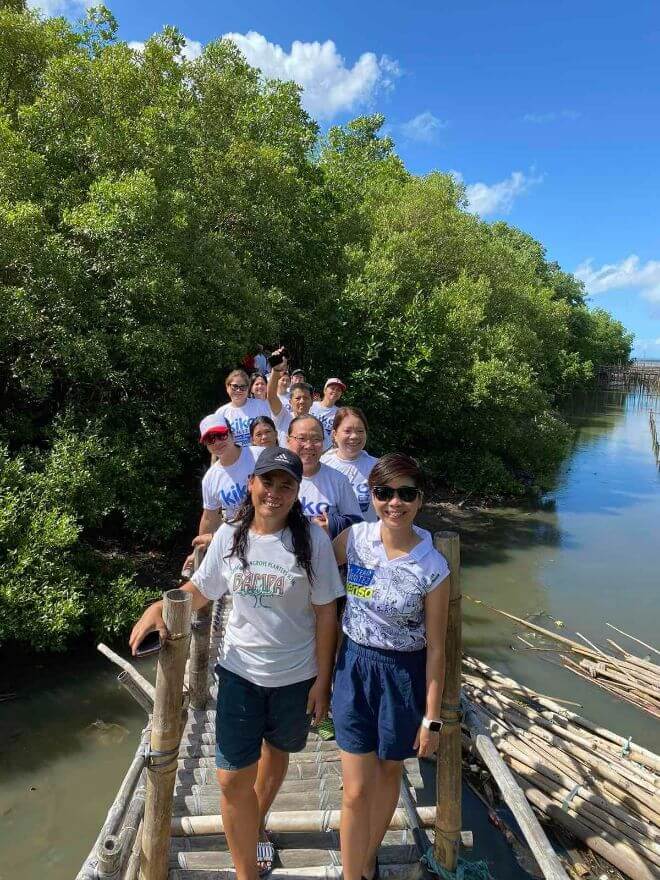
(165, 736)
(198, 669)
(448, 791)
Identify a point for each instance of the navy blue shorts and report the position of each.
(378, 700)
(248, 713)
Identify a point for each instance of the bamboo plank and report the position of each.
(296, 858)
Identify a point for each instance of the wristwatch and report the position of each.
(431, 724)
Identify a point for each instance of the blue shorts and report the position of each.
(247, 714)
(378, 700)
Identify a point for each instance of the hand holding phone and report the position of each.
(278, 357)
(150, 626)
(150, 644)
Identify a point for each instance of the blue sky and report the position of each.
(549, 111)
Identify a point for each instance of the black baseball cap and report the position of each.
(275, 458)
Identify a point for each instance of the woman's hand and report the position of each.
(322, 520)
(426, 742)
(203, 541)
(318, 701)
(151, 620)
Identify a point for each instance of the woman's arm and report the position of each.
(274, 401)
(209, 523)
(339, 546)
(153, 617)
(318, 701)
(436, 609)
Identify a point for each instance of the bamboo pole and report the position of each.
(119, 806)
(146, 687)
(547, 859)
(448, 791)
(293, 821)
(200, 645)
(633, 638)
(165, 736)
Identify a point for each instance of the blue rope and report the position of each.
(464, 870)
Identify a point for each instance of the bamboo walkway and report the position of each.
(312, 786)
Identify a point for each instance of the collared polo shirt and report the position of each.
(385, 597)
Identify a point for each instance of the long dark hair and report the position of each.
(297, 524)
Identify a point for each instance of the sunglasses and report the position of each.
(238, 387)
(216, 435)
(407, 494)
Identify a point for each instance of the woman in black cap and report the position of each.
(277, 656)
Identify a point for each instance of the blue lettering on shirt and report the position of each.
(233, 497)
(310, 509)
(363, 496)
(359, 575)
(240, 428)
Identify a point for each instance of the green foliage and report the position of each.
(158, 217)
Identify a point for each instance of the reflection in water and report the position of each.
(586, 554)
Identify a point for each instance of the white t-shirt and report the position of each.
(241, 417)
(326, 416)
(357, 472)
(260, 363)
(282, 421)
(385, 598)
(226, 487)
(327, 491)
(270, 637)
(285, 400)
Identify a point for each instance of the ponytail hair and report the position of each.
(296, 522)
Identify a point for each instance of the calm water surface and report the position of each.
(588, 554)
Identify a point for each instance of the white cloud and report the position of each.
(51, 8)
(628, 274)
(329, 86)
(552, 116)
(191, 50)
(423, 128)
(498, 198)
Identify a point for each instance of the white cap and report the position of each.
(334, 382)
(208, 423)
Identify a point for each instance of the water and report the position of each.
(586, 555)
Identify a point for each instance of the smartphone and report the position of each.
(149, 645)
(276, 359)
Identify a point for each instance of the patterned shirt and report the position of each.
(385, 597)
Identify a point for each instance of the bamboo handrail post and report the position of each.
(448, 791)
(200, 646)
(165, 736)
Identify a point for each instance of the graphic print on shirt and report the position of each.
(240, 428)
(389, 610)
(233, 497)
(312, 508)
(363, 495)
(261, 582)
(359, 580)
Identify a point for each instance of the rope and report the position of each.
(464, 870)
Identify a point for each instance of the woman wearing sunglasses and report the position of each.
(275, 666)
(390, 670)
(224, 486)
(348, 455)
(241, 410)
(326, 495)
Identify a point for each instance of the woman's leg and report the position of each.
(383, 804)
(273, 765)
(240, 818)
(359, 774)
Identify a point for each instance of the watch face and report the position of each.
(435, 725)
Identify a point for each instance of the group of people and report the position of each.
(291, 500)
